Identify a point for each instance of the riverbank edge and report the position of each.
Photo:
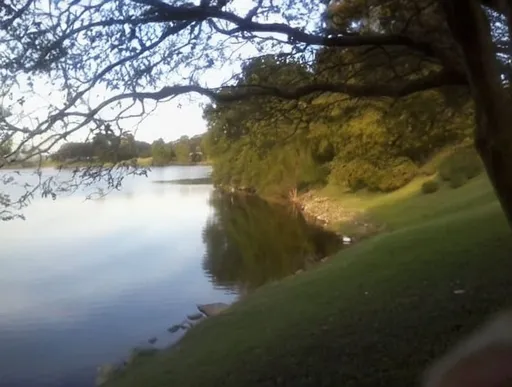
(72, 165)
(317, 210)
(327, 212)
(334, 216)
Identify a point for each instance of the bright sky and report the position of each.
(170, 120)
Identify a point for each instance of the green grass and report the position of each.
(145, 161)
(409, 205)
(374, 315)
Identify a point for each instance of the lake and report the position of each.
(82, 282)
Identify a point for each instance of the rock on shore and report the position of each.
(330, 212)
(214, 309)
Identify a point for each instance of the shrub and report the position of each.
(397, 176)
(430, 186)
(458, 180)
(428, 170)
(355, 174)
(461, 165)
(359, 174)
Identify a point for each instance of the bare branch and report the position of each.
(169, 12)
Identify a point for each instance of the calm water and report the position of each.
(83, 282)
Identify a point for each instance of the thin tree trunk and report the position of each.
(493, 131)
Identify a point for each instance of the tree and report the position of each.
(103, 148)
(389, 49)
(277, 147)
(161, 152)
(143, 149)
(5, 147)
(74, 151)
(182, 150)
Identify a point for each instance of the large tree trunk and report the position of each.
(493, 132)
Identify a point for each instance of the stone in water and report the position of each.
(174, 328)
(214, 309)
(195, 316)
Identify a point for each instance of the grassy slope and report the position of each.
(408, 206)
(373, 316)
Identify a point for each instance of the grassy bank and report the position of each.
(374, 315)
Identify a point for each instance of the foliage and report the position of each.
(277, 147)
(5, 147)
(104, 148)
(185, 150)
(464, 163)
(385, 177)
(109, 148)
(182, 150)
(399, 174)
(161, 152)
(458, 179)
(430, 186)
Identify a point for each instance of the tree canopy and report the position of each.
(106, 60)
(277, 147)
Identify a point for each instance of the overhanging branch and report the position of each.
(168, 12)
(241, 92)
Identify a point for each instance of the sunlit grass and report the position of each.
(409, 205)
(145, 161)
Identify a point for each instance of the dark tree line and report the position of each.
(185, 150)
(103, 148)
(109, 148)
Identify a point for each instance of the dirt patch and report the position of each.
(331, 214)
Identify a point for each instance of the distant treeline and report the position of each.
(108, 148)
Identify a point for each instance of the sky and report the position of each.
(169, 121)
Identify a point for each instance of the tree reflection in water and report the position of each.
(250, 242)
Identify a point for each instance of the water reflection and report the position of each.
(250, 242)
(83, 282)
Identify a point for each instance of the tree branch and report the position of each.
(169, 12)
(241, 92)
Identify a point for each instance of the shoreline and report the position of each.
(86, 165)
(324, 211)
(376, 287)
(314, 216)
(333, 216)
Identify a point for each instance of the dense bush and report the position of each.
(386, 177)
(461, 165)
(458, 180)
(430, 186)
(428, 170)
(397, 175)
